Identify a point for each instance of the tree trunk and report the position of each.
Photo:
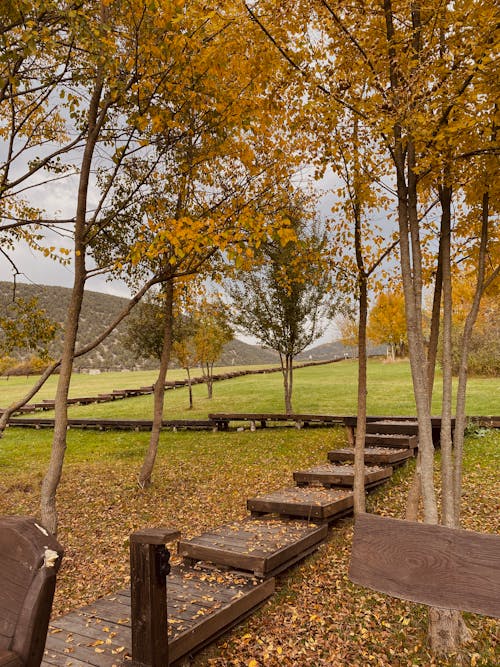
(446, 444)
(447, 631)
(190, 389)
(53, 475)
(462, 373)
(359, 447)
(210, 380)
(287, 370)
(159, 391)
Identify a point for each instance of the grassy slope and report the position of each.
(329, 389)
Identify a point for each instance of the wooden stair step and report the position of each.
(202, 604)
(311, 503)
(372, 455)
(398, 427)
(263, 546)
(335, 475)
(391, 440)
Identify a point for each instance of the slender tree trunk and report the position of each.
(411, 275)
(54, 471)
(289, 408)
(359, 447)
(159, 391)
(415, 491)
(53, 475)
(447, 495)
(286, 371)
(190, 388)
(210, 380)
(460, 415)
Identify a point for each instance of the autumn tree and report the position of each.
(212, 332)
(283, 298)
(213, 175)
(387, 322)
(429, 78)
(24, 325)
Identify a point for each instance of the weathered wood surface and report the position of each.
(263, 546)
(264, 417)
(313, 504)
(29, 562)
(372, 455)
(334, 475)
(202, 604)
(113, 424)
(391, 440)
(429, 564)
(149, 566)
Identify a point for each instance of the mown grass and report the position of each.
(325, 389)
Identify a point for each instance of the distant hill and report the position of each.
(100, 309)
(98, 312)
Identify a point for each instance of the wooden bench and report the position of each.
(29, 562)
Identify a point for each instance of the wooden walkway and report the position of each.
(227, 572)
(201, 604)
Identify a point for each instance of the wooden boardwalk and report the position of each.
(310, 503)
(372, 455)
(201, 604)
(264, 546)
(227, 571)
(334, 475)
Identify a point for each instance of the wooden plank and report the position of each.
(213, 602)
(255, 545)
(310, 503)
(429, 564)
(245, 594)
(372, 455)
(391, 440)
(329, 474)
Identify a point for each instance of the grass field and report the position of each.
(203, 479)
(327, 389)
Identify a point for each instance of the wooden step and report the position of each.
(372, 455)
(391, 440)
(397, 427)
(334, 475)
(263, 546)
(202, 604)
(311, 503)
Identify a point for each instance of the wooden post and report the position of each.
(149, 566)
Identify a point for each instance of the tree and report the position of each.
(25, 326)
(212, 333)
(184, 347)
(281, 298)
(145, 326)
(429, 76)
(387, 322)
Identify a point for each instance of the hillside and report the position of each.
(100, 309)
(98, 312)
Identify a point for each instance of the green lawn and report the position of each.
(327, 389)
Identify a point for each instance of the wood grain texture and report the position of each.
(429, 564)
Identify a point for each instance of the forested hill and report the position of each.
(98, 312)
